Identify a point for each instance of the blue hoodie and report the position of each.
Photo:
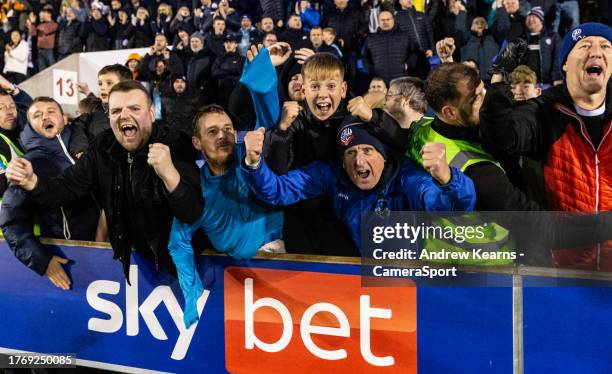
(234, 220)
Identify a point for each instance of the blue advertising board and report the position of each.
(136, 327)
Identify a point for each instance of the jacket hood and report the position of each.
(290, 68)
(48, 157)
(34, 142)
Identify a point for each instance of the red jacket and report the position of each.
(577, 176)
(45, 32)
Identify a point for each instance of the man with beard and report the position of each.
(568, 128)
(141, 173)
(455, 93)
(89, 125)
(235, 222)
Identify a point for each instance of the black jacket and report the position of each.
(76, 220)
(178, 110)
(508, 26)
(349, 24)
(120, 34)
(228, 66)
(141, 35)
(296, 38)
(386, 53)
(418, 27)
(95, 33)
(87, 126)
(199, 69)
(69, 38)
(138, 208)
(494, 191)
(310, 226)
(215, 43)
(149, 62)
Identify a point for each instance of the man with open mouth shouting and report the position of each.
(568, 128)
(371, 178)
(142, 174)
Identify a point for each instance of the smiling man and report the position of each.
(140, 172)
(568, 128)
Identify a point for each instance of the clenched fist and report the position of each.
(359, 108)
(291, 109)
(434, 161)
(253, 143)
(160, 159)
(20, 172)
(445, 49)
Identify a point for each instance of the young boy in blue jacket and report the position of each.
(370, 178)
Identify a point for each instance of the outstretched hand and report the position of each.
(279, 53)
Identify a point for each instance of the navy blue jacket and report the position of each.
(407, 188)
(77, 220)
(550, 46)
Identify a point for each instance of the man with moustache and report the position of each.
(234, 220)
(141, 173)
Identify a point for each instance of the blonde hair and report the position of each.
(322, 66)
(524, 74)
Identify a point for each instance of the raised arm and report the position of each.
(312, 180)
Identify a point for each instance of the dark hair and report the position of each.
(46, 99)
(120, 71)
(130, 85)
(88, 104)
(441, 87)
(218, 18)
(203, 112)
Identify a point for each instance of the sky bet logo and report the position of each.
(161, 294)
(279, 320)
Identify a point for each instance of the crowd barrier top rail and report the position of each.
(514, 270)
